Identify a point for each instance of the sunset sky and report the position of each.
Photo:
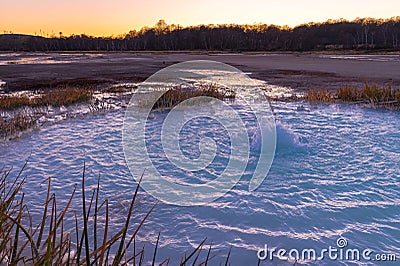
(103, 18)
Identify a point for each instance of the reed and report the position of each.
(48, 242)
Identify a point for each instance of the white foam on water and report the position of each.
(286, 137)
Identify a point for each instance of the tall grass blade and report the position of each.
(95, 216)
(15, 248)
(120, 252)
(227, 258)
(85, 226)
(104, 246)
(155, 250)
(193, 252)
(42, 224)
(26, 233)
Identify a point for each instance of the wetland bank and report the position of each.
(335, 171)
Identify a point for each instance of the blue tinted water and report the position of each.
(336, 173)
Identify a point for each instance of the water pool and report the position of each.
(336, 173)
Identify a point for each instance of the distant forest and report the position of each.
(359, 34)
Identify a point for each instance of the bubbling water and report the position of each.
(168, 89)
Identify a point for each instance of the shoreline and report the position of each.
(299, 71)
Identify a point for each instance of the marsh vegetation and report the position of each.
(51, 241)
(370, 95)
(179, 94)
(56, 97)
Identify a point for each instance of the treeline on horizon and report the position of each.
(359, 34)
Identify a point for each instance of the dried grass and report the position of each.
(21, 121)
(56, 97)
(372, 95)
(177, 95)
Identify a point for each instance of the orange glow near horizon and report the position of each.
(106, 18)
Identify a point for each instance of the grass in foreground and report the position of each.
(48, 242)
(372, 95)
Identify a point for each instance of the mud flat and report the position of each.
(23, 71)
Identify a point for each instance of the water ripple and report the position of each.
(336, 173)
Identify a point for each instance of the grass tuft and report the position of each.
(55, 97)
(371, 95)
(21, 121)
(320, 95)
(179, 94)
